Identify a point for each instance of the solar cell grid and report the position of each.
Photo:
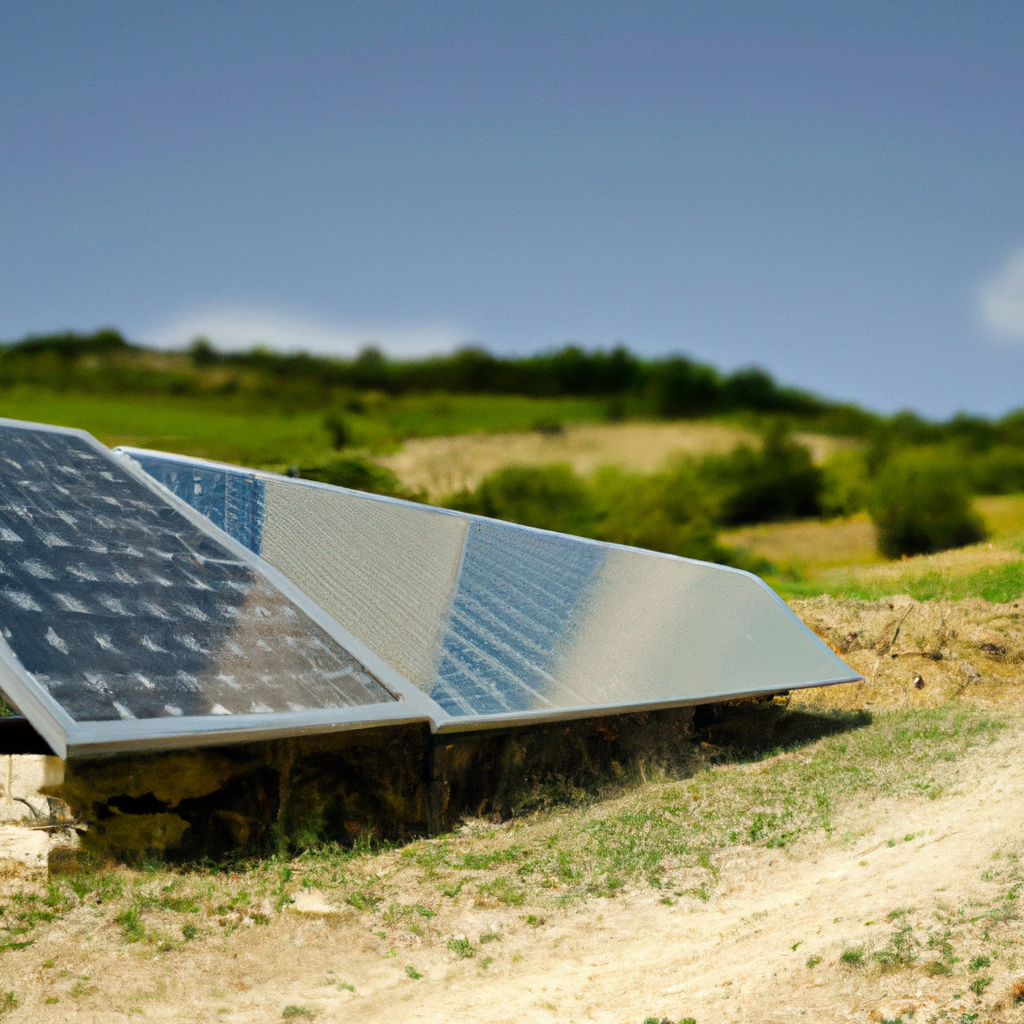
(512, 624)
(128, 619)
(121, 608)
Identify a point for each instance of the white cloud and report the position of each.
(240, 329)
(1001, 298)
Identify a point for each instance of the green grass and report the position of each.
(998, 584)
(237, 429)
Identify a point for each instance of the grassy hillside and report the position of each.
(667, 453)
(238, 429)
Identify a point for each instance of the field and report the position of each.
(239, 431)
(840, 558)
(865, 864)
(441, 465)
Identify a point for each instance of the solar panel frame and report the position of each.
(444, 722)
(68, 737)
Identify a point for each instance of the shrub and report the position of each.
(778, 482)
(845, 484)
(671, 511)
(998, 471)
(337, 426)
(549, 497)
(359, 474)
(920, 503)
(667, 512)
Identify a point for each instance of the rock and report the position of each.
(30, 846)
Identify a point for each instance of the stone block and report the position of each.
(24, 779)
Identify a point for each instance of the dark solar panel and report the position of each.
(120, 607)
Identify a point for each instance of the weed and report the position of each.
(490, 937)
(504, 891)
(8, 1002)
(979, 985)
(486, 962)
(940, 940)
(901, 950)
(51, 1000)
(293, 1012)
(813, 961)
(853, 957)
(189, 932)
(410, 972)
(82, 988)
(131, 923)
(461, 947)
(980, 961)
(362, 900)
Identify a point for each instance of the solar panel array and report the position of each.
(499, 622)
(200, 603)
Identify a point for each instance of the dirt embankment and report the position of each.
(920, 654)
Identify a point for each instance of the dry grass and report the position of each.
(441, 465)
(810, 545)
(839, 557)
(919, 654)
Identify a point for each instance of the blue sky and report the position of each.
(832, 191)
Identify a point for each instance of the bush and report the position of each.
(662, 512)
(669, 511)
(920, 503)
(549, 497)
(358, 474)
(1000, 470)
(778, 482)
(845, 484)
(337, 426)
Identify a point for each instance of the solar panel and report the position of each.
(127, 619)
(498, 623)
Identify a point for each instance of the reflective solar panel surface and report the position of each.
(498, 622)
(120, 607)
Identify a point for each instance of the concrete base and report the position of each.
(390, 783)
(23, 778)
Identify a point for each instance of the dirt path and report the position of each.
(742, 956)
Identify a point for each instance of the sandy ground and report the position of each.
(441, 465)
(742, 956)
